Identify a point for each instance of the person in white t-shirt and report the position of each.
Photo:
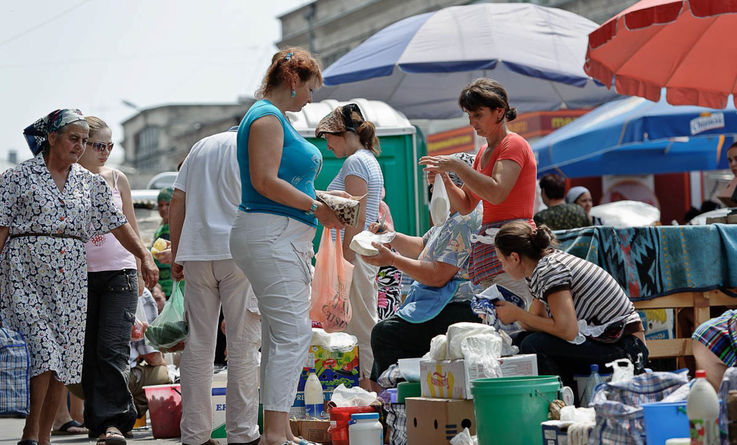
(207, 192)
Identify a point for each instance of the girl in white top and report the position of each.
(350, 136)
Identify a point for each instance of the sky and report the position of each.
(95, 54)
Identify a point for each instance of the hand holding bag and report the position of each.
(331, 305)
(170, 328)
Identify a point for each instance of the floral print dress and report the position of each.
(43, 279)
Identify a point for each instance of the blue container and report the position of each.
(664, 420)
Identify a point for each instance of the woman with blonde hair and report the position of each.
(271, 238)
(112, 296)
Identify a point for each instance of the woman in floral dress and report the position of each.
(49, 207)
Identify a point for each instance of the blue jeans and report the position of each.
(111, 308)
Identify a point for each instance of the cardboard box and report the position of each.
(518, 365)
(451, 379)
(437, 421)
(314, 430)
(555, 432)
(658, 323)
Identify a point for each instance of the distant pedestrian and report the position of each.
(204, 205)
(559, 215)
(49, 207)
(272, 235)
(581, 196)
(163, 201)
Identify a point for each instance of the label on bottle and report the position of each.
(703, 432)
(314, 411)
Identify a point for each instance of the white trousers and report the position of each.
(275, 252)
(210, 284)
(364, 296)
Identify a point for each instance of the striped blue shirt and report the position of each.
(364, 165)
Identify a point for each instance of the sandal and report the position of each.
(112, 436)
(66, 429)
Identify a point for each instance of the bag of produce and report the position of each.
(170, 328)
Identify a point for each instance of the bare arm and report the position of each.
(4, 231)
(133, 244)
(177, 213)
(409, 246)
(124, 187)
(493, 189)
(563, 323)
(429, 273)
(265, 145)
(354, 186)
(154, 358)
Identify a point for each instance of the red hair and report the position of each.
(290, 65)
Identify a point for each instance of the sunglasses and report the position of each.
(101, 146)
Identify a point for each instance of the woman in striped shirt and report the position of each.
(579, 315)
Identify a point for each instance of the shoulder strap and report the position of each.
(115, 179)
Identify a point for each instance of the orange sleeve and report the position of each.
(514, 149)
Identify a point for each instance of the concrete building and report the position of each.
(331, 28)
(157, 139)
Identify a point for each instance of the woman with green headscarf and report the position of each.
(163, 201)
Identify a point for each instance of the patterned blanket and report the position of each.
(651, 262)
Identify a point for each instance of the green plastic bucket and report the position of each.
(509, 410)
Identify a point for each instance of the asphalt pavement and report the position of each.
(11, 429)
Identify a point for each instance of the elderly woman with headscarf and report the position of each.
(441, 294)
(582, 196)
(49, 207)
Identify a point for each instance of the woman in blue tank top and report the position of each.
(271, 238)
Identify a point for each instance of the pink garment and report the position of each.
(104, 251)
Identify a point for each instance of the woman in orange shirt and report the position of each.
(503, 177)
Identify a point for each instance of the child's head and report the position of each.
(163, 201)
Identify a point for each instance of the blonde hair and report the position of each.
(96, 124)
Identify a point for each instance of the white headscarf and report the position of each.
(575, 192)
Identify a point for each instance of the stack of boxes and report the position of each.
(446, 405)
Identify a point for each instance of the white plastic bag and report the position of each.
(481, 354)
(354, 396)
(361, 242)
(439, 204)
(458, 331)
(438, 348)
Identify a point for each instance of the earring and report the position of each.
(294, 93)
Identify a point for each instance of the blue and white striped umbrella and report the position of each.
(419, 65)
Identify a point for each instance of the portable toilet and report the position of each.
(401, 147)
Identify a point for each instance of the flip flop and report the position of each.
(112, 436)
(64, 429)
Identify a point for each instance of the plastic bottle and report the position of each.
(314, 399)
(588, 390)
(365, 429)
(702, 408)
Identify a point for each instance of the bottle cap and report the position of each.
(594, 367)
(700, 374)
(365, 416)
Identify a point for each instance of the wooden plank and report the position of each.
(669, 348)
(683, 299)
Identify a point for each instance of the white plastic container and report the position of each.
(365, 429)
(702, 408)
(314, 399)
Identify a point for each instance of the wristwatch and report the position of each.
(313, 208)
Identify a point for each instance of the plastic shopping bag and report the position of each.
(439, 203)
(331, 284)
(139, 325)
(170, 328)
